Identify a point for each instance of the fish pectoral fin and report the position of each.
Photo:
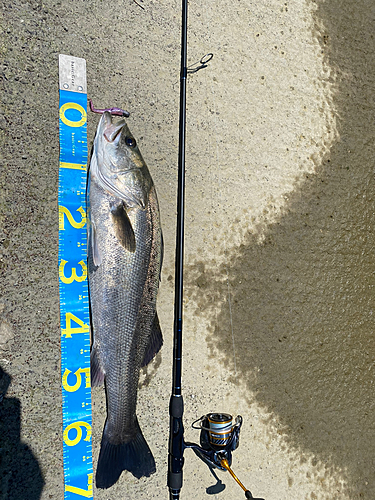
(97, 373)
(123, 227)
(93, 243)
(155, 342)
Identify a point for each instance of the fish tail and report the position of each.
(134, 456)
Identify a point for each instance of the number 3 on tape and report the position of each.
(74, 305)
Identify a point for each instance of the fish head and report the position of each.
(118, 165)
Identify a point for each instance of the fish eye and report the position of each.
(130, 141)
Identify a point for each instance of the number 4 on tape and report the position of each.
(74, 312)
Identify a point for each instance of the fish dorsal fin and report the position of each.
(123, 227)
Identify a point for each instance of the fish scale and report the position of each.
(117, 285)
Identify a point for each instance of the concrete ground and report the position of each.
(279, 288)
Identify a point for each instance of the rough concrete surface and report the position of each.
(279, 290)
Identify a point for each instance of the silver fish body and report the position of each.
(125, 254)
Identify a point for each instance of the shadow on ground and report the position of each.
(303, 301)
(20, 474)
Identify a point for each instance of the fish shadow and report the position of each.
(20, 475)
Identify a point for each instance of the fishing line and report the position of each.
(221, 203)
(224, 240)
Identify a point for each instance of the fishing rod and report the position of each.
(176, 404)
(219, 431)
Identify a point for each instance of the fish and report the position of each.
(125, 249)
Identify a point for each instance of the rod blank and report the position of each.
(176, 406)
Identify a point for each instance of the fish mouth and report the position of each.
(110, 130)
(113, 131)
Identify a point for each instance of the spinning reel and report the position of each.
(218, 439)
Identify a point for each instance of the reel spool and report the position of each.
(219, 433)
(220, 430)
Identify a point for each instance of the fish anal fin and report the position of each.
(97, 373)
(155, 342)
(123, 227)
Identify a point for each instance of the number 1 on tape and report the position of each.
(74, 299)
